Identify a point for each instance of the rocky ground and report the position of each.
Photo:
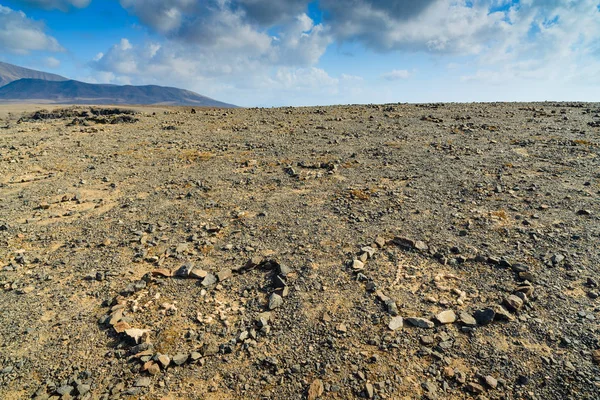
(386, 252)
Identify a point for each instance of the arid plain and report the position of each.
(392, 251)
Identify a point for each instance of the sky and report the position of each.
(267, 53)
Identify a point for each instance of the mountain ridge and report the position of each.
(55, 89)
(10, 73)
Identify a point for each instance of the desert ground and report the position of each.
(397, 251)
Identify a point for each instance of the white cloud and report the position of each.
(396, 75)
(20, 34)
(52, 62)
(62, 5)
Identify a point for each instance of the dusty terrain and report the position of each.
(406, 251)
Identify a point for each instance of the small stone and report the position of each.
(421, 246)
(316, 389)
(164, 360)
(275, 301)
(65, 390)
(358, 265)
(184, 271)
(142, 382)
(467, 319)
(513, 302)
(396, 323)
(502, 314)
(420, 322)
(224, 274)
(195, 356)
(263, 319)
(474, 388)
(369, 251)
(83, 389)
(209, 280)
(491, 381)
(427, 340)
(557, 259)
(198, 273)
(391, 306)
(369, 391)
(341, 328)
(446, 317)
(380, 242)
(596, 356)
(584, 212)
(484, 316)
(180, 359)
(152, 368)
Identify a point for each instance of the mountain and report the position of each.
(10, 73)
(75, 92)
(22, 85)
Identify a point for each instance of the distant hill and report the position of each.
(23, 85)
(10, 73)
(75, 92)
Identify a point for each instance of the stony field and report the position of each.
(447, 251)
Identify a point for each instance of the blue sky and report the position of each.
(300, 52)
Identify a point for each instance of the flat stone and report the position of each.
(369, 390)
(164, 360)
(65, 390)
(396, 323)
(180, 359)
(358, 265)
(142, 382)
(421, 246)
(209, 280)
(467, 319)
(474, 388)
(224, 274)
(275, 301)
(420, 322)
(513, 303)
(446, 317)
(484, 316)
(198, 273)
(83, 389)
(491, 381)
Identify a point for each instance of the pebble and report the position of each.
(180, 359)
(65, 390)
(142, 382)
(467, 319)
(209, 280)
(164, 360)
(446, 317)
(370, 392)
(358, 265)
(275, 301)
(420, 322)
(596, 356)
(491, 381)
(224, 274)
(513, 302)
(83, 389)
(396, 323)
(474, 388)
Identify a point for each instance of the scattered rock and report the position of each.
(316, 389)
(420, 322)
(513, 303)
(275, 301)
(180, 359)
(396, 323)
(446, 317)
(484, 316)
(209, 280)
(143, 382)
(467, 319)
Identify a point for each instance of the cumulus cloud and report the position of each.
(20, 34)
(396, 75)
(62, 5)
